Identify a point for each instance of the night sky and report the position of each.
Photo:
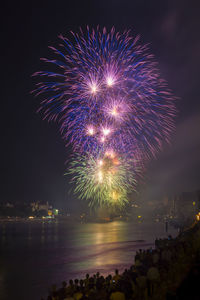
(33, 153)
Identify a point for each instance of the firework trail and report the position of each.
(105, 90)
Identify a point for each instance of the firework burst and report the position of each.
(103, 180)
(107, 94)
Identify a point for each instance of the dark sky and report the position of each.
(32, 151)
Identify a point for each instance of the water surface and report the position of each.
(35, 255)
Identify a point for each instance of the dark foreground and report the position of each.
(170, 271)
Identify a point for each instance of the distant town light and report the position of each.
(50, 212)
(55, 211)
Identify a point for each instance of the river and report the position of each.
(34, 255)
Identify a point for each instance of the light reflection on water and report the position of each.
(35, 255)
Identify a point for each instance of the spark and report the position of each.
(93, 88)
(100, 176)
(114, 112)
(91, 131)
(106, 131)
(101, 162)
(110, 81)
(115, 195)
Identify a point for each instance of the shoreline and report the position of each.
(175, 259)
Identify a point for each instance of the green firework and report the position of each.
(105, 180)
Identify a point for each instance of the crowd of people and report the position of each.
(156, 273)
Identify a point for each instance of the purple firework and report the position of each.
(107, 93)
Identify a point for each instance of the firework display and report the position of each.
(106, 179)
(113, 108)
